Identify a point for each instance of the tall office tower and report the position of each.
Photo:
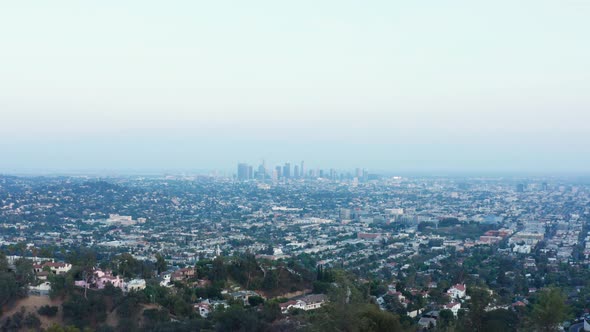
(250, 172)
(296, 171)
(302, 170)
(332, 174)
(275, 175)
(520, 188)
(287, 170)
(243, 170)
(359, 173)
(261, 172)
(321, 173)
(365, 175)
(279, 172)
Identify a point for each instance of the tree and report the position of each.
(549, 310)
(479, 301)
(127, 265)
(49, 311)
(373, 319)
(8, 288)
(501, 320)
(446, 319)
(271, 311)
(255, 301)
(24, 271)
(32, 321)
(161, 264)
(271, 280)
(218, 271)
(237, 319)
(3, 262)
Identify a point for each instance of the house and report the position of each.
(203, 309)
(398, 295)
(313, 301)
(369, 237)
(99, 279)
(43, 275)
(183, 274)
(429, 319)
(288, 305)
(42, 289)
(522, 249)
(166, 280)
(308, 302)
(454, 307)
(54, 267)
(243, 295)
(134, 285)
(458, 291)
(518, 304)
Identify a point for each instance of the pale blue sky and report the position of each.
(394, 85)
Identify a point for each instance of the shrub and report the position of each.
(49, 311)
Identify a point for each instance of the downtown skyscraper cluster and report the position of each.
(287, 171)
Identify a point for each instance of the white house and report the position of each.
(42, 289)
(458, 291)
(166, 280)
(54, 267)
(522, 249)
(135, 285)
(454, 307)
(203, 309)
(309, 302)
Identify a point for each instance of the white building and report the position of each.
(135, 285)
(55, 268)
(203, 309)
(454, 307)
(458, 291)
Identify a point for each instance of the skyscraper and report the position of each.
(261, 172)
(287, 170)
(296, 171)
(243, 172)
(302, 170)
(279, 172)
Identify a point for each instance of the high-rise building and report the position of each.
(279, 172)
(243, 172)
(261, 175)
(287, 170)
(302, 170)
(296, 171)
(365, 175)
(358, 173)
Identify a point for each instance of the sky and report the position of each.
(457, 86)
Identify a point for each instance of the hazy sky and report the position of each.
(389, 85)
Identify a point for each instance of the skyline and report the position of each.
(454, 87)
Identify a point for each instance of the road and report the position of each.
(577, 327)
